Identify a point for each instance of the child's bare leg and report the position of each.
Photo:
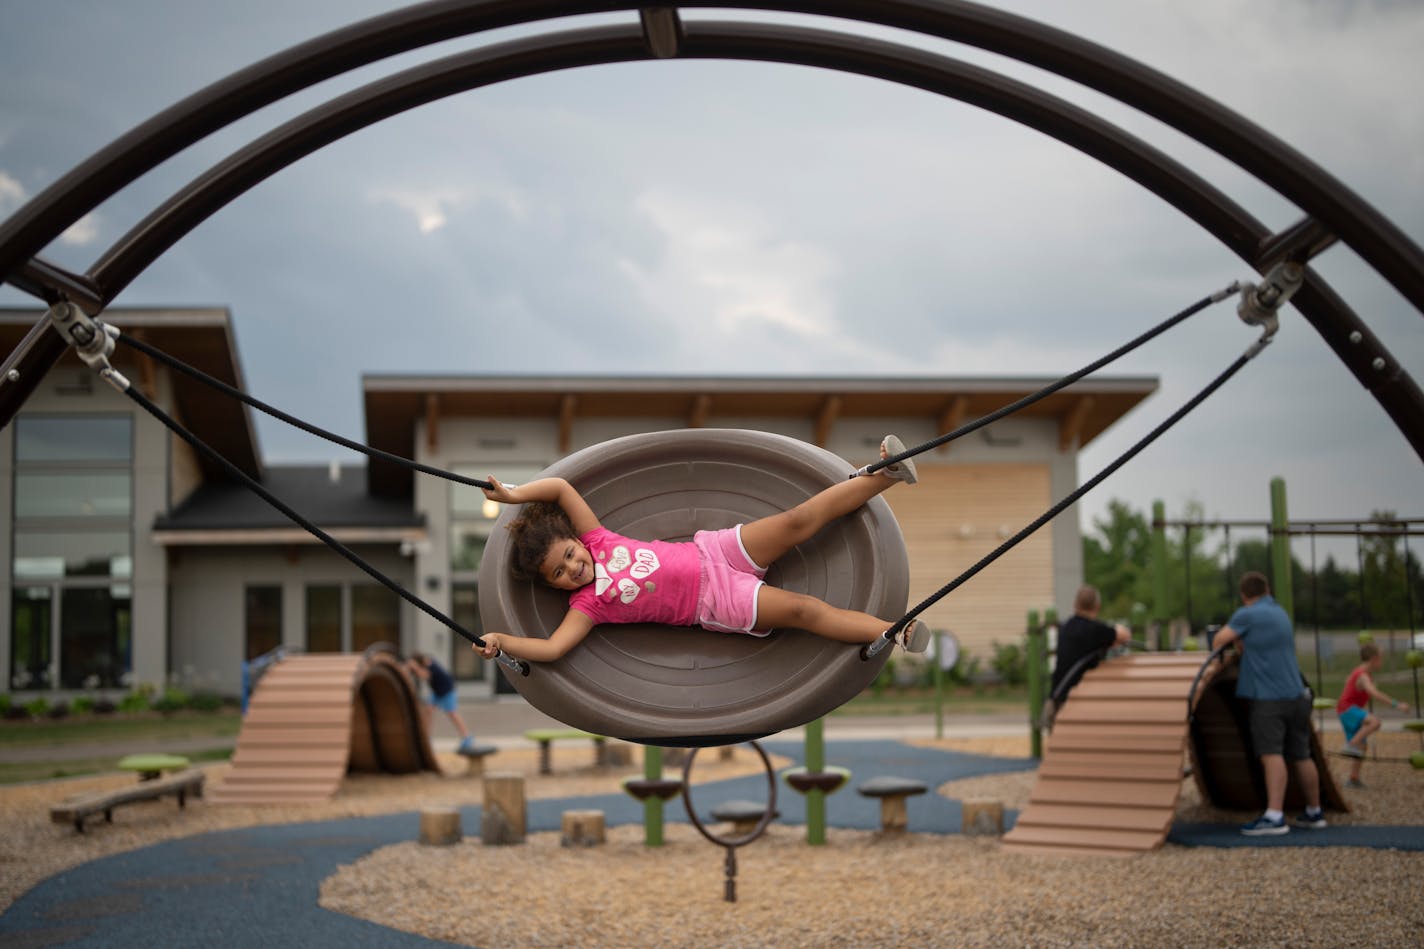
(782, 608)
(767, 539)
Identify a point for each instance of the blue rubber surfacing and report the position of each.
(259, 886)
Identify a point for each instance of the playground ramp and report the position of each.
(314, 718)
(1112, 769)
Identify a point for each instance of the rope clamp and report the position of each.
(93, 340)
(1260, 303)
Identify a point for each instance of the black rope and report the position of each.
(1082, 489)
(1066, 381)
(292, 420)
(336, 545)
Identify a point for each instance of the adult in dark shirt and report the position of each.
(1083, 634)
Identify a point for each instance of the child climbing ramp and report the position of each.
(716, 581)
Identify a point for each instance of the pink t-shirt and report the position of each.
(639, 581)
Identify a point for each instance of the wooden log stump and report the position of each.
(981, 816)
(503, 818)
(440, 826)
(583, 829)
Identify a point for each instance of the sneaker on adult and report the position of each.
(1264, 826)
(1315, 820)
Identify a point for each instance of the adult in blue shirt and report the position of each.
(1279, 703)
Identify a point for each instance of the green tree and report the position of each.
(1116, 559)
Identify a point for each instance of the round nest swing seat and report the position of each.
(686, 686)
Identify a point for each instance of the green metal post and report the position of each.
(816, 799)
(1035, 683)
(1281, 587)
(653, 806)
(937, 672)
(1160, 609)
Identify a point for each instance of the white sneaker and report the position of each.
(900, 470)
(915, 637)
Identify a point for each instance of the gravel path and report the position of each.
(915, 889)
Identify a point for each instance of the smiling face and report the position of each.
(567, 565)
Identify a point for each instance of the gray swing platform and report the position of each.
(686, 686)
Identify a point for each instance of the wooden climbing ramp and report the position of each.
(1112, 769)
(314, 718)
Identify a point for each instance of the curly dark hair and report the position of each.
(539, 526)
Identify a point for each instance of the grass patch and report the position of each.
(26, 771)
(148, 727)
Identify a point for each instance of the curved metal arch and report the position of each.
(1290, 173)
(1382, 245)
(360, 108)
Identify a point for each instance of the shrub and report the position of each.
(37, 708)
(967, 670)
(83, 705)
(1011, 663)
(104, 707)
(172, 700)
(17, 713)
(59, 709)
(205, 702)
(134, 702)
(5, 703)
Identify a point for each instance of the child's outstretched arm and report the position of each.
(548, 489)
(569, 634)
(1367, 682)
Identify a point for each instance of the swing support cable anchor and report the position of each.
(1260, 304)
(93, 340)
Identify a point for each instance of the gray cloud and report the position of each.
(696, 217)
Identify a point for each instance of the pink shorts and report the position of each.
(730, 582)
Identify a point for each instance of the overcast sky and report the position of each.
(729, 218)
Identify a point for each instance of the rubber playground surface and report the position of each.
(260, 885)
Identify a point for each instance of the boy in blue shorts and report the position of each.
(442, 695)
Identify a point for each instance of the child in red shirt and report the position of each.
(1353, 708)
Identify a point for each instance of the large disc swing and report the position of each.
(677, 686)
(1332, 212)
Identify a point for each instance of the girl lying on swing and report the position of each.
(714, 581)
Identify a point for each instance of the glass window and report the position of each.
(73, 494)
(263, 619)
(375, 616)
(95, 640)
(468, 502)
(324, 618)
(30, 626)
(49, 438)
(71, 553)
(464, 663)
(467, 545)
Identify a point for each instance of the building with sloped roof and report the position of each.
(135, 559)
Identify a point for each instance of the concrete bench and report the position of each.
(892, 792)
(547, 736)
(76, 810)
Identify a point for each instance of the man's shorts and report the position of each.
(1352, 718)
(730, 583)
(446, 702)
(1281, 727)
